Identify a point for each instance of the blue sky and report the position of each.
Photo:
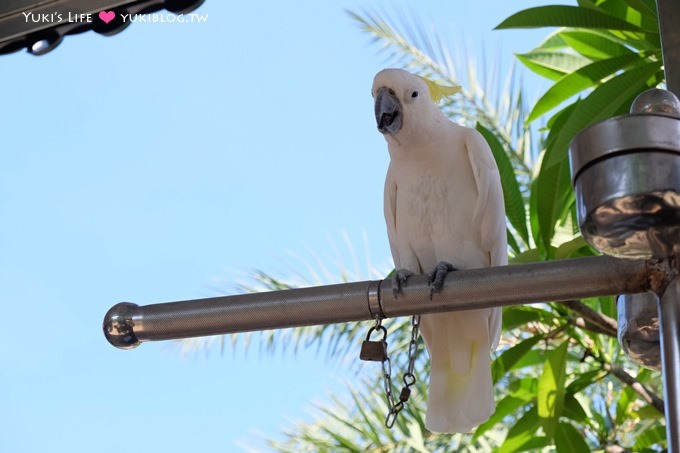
(165, 163)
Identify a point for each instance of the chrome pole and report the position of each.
(669, 315)
(669, 18)
(669, 302)
(126, 325)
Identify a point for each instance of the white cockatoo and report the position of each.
(444, 211)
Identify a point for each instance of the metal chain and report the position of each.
(409, 378)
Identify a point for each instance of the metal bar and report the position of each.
(558, 280)
(126, 324)
(669, 20)
(669, 314)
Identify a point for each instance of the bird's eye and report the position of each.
(391, 91)
(414, 94)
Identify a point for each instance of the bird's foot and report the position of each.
(436, 278)
(399, 279)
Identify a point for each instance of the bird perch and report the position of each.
(126, 325)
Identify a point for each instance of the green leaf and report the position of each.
(593, 45)
(553, 42)
(527, 256)
(646, 7)
(514, 203)
(645, 375)
(553, 192)
(512, 242)
(509, 358)
(584, 77)
(576, 247)
(569, 440)
(647, 413)
(635, 12)
(650, 437)
(569, 248)
(607, 305)
(533, 358)
(522, 314)
(565, 16)
(584, 380)
(534, 220)
(603, 424)
(536, 443)
(626, 397)
(507, 406)
(521, 433)
(587, 4)
(608, 99)
(551, 389)
(552, 65)
(550, 191)
(524, 387)
(573, 409)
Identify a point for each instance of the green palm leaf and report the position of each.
(605, 101)
(594, 45)
(566, 16)
(579, 80)
(514, 202)
(552, 64)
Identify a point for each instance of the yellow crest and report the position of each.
(437, 91)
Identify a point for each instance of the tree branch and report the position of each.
(598, 322)
(592, 319)
(651, 398)
(584, 324)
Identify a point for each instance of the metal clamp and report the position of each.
(374, 300)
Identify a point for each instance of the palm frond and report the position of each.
(357, 423)
(334, 340)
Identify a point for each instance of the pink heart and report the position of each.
(107, 16)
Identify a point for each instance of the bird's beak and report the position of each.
(388, 111)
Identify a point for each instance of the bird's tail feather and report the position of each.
(461, 389)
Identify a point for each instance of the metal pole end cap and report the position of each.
(656, 101)
(119, 326)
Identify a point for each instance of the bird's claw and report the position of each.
(399, 279)
(436, 278)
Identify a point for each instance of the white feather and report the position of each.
(444, 202)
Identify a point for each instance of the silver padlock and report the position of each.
(374, 351)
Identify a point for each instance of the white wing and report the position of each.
(390, 207)
(489, 213)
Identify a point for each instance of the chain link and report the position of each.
(409, 378)
(413, 345)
